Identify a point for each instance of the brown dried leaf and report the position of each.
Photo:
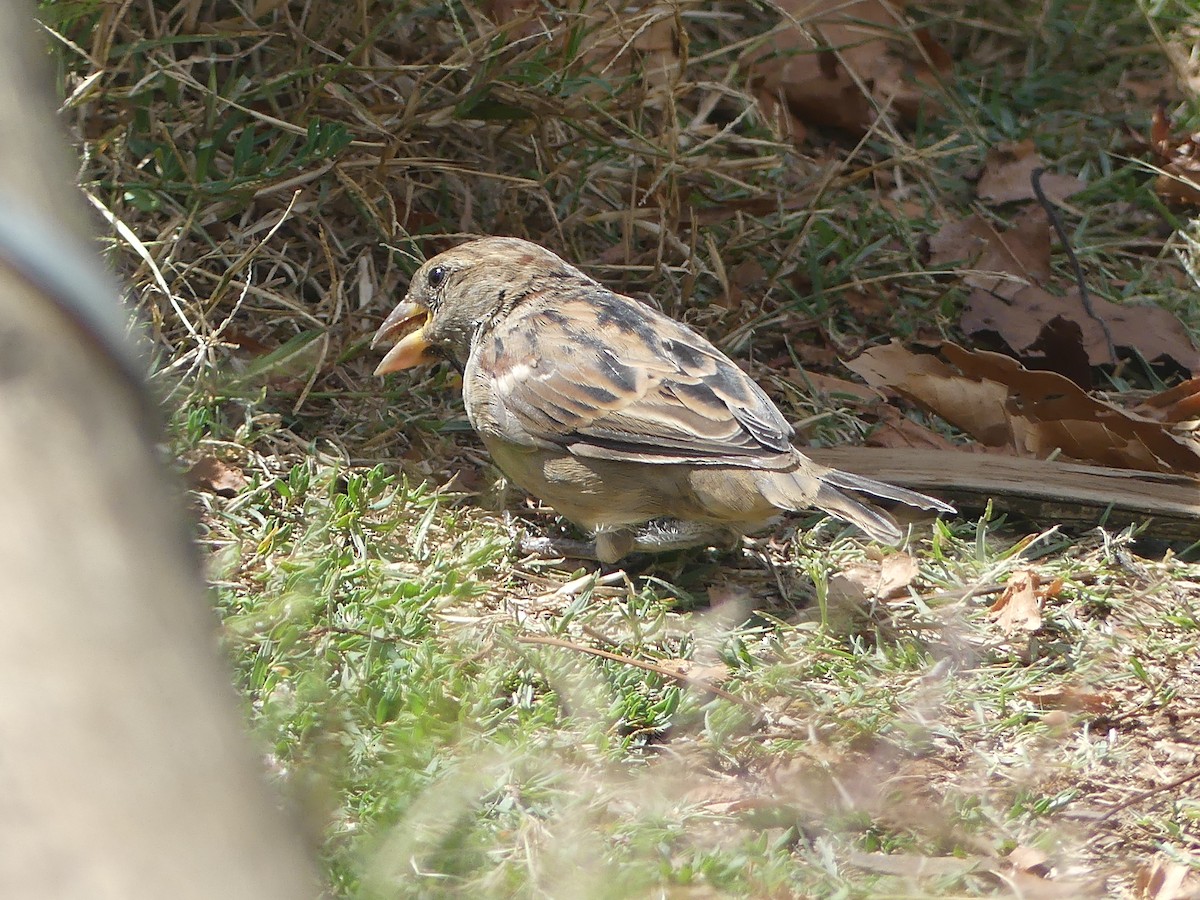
(711, 673)
(1180, 403)
(1029, 859)
(1072, 699)
(1002, 404)
(807, 62)
(1019, 607)
(1166, 879)
(1020, 319)
(1021, 252)
(216, 476)
(1148, 90)
(1012, 303)
(884, 579)
(1179, 159)
(1007, 172)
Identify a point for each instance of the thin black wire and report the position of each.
(1035, 178)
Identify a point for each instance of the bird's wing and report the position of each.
(607, 377)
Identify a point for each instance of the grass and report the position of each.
(434, 702)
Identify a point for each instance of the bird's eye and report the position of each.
(436, 276)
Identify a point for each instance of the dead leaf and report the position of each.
(827, 53)
(713, 673)
(244, 343)
(1152, 331)
(884, 579)
(1166, 879)
(1029, 859)
(1072, 699)
(1002, 404)
(641, 40)
(215, 476)
(1007, 175)
(1060, 349)
(1009, 268)
(1179, 159)
(1180, 403)
(1021, 252)
(1019, 607)
(1148, 90)
(867, 303)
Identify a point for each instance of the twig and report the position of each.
(1035, 178)
(698, 683)
(1145, 795)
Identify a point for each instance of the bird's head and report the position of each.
(459, 293)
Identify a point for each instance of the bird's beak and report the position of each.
(405, 325)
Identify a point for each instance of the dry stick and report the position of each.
(1145, 795)
(1035, 178)
(698, 683)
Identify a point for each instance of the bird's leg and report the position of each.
(553, 547)
(608, 547)
(662, 535)
(656, 536)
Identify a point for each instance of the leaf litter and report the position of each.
(1014, 299)
(1028, 413)
(1007, 173)
(834, 64)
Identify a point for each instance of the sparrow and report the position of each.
(627, 422)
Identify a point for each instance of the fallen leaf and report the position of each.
(1166, 879)
(1178, 184)
(1180, 403)
(1019, 319)
(713, 673)
(1002, 262)
(867, 303)
(1059, 348)
(1148, 90)
(244, 343)
(1072, 699)
(884, 579)
(1000, 403)
(836, 63)
(1019, 606)
(641, 40)
(1009, 269)
(215, 476)
(1007, 175)
(1029, 859)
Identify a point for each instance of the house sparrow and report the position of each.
(628, 423)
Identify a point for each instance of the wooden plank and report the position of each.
(1047, 491)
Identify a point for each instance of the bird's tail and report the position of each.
(803, 488)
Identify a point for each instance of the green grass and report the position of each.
(397, 655)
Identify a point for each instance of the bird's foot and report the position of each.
(613, 545)
(555, 547)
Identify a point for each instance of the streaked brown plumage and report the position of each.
(628, 423)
